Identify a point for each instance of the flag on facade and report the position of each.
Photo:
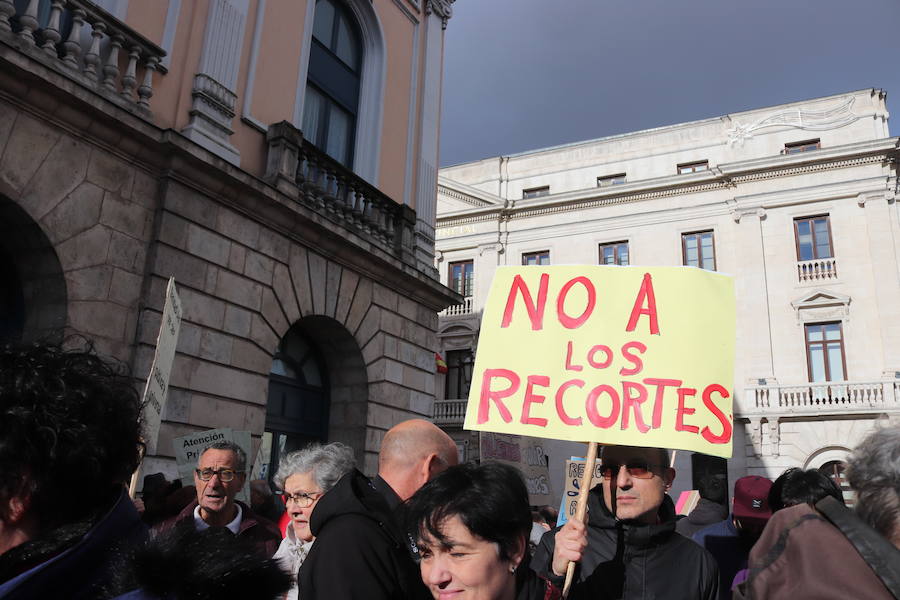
(440, 363)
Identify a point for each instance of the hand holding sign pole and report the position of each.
(619, 355)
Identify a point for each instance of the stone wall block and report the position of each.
(393, 371)
(414, 378)
(191, 205)
(259, 267)
(237, 258)
(125, 288)
(127, 252)
(173, 230)
(391, 346)
(284, 291)
(299, 268)
(200, 308)
(237, 321)
(238, 227)
(248, 356)
(209, 245)
(274, 245)
(7, 121)
(349, 281)
(376, 370)
(91, 283)
(332, 285)
(369, 327)
(77, 212)
(215, 412)
(255, 421)
(418, 335)
(178, 405)
(392, 323)
(211, 279)
(262, 334)
(111, 173)
(273, 314)
(239, 290)
(216, 346)
(126, 217)
(380, 416)
(86, 249)
(421, 403)
(188, 338)
(385, 297)
(362, 299)
(374, 349)
(186, 268)
(426, 317)
(224, 381)
(60, 173)
(168, 432)
(103, 319)
(408, 308)
(149, 327)
(374, 437)
(29, 144)
(318, 268)
(144, 190)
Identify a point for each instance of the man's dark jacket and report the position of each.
(359, 552)
(262, 533)
(627, 560)
(704, 514)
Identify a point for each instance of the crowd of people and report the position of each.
(423, 527)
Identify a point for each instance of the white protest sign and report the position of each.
(157, 388)
(524, 453)
(188, 449)
(261, 464)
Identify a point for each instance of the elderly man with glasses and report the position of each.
(219, 476)
(629, 547)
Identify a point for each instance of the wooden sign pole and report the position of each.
(590, 464)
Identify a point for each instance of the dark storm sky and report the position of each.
(526, 74)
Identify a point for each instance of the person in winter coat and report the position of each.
(629, 548)
(305, 476)
(710, 509)
(69, 441)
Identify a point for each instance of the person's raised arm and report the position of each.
(571, 540)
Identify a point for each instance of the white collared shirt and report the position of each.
(234, 526)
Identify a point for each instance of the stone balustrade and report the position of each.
(465, 308)
(90, 44)
(845, 397)
(297, 167)
(817, 270)
(449, 412)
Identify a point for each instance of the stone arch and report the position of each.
(34, 297)
(825, 455)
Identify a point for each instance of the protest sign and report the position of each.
(525, 454)
(574, 477)
(261, 464)
(157, 387)
(188, 449)
(640, 356)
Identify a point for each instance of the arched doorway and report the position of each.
(33, 288)
(835, 470)
(297, 409)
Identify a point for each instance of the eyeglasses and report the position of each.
(301, 499)
(225, 475)
(638, 470)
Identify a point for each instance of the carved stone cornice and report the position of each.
(441, 8)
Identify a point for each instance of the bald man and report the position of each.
(361, 550)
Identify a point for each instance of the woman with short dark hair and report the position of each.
(472, 525)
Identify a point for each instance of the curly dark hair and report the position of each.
(69, 428)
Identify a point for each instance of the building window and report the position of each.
(693, 167)
(698, 250)
(541, 258)
(835, 470)
(615, 253)
(536, 192)
(813, 235)
(462, 277)
(825, 352)
(332, 86)
(805, 146)
(459, 374)
(608, 180)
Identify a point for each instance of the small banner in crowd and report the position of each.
(188, 449)
(574, 477)
(641, 356)
(524, 453)
(157, 389)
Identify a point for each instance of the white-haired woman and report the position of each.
(304, 476)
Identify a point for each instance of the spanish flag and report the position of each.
(440, 363)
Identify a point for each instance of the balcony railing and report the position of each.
(466, 308)
(820, 269)
(851, 397)
(299, 168)
(450, 412)
(87, 43)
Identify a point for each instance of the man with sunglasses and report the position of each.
(629, 547)
(219, 476)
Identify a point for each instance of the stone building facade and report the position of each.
(797, 201)
(143, 140)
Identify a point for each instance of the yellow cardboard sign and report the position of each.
(640, 356)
